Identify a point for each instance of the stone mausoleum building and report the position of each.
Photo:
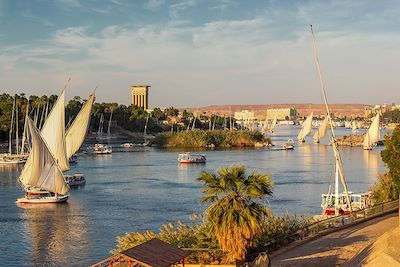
(140, 96)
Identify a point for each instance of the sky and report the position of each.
(196, 53)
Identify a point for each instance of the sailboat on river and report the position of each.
(346, 202)
(373, 135)
(306, 129)
(41, 177)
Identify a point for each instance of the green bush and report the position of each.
(218, 138)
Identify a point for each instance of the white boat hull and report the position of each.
(42, 200)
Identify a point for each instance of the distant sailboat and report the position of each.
(41, 176)
(273, 124)
(373, 135)
(353, 127)
(101, 149)
(100, 131)
(306, 129)
(321, 131)
(19, 157)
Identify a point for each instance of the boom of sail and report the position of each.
(373, 134)
(53, 132)
(321, 130)
(41, 169)
(76, 133)
(306, 129)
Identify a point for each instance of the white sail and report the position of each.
(76, 133)
(373, 134)
(306, 128)
(41, 169)
(321, 130)
(273, 123)
(53, 132)
(353, 126)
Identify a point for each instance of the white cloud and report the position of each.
(176, 8)
(32, 17)
(229, 61)
(154, 5)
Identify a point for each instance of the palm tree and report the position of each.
(234, 216)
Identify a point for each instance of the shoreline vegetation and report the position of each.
(217, 138)
(235, 224)
(351, 140)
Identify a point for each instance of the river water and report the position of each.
(141, 188)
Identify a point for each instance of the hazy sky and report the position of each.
(202, 52)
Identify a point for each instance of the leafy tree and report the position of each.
(235, 216)
(387, 186)
(157, 113)
(171, 111)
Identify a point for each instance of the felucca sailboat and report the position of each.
(20, 156)
(321, 131)
(306, 129)
(373, 135)
(42, 173)
(345, 202)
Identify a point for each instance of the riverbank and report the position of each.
(219, 138)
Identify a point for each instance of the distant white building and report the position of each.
(244, 116)
(281, 113)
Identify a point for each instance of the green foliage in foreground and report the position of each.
(387, 187)
(255, 226)
(197, 235)
(218, 138)
(234, 216)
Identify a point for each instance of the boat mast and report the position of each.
(109, 124)
(333, 137)
(16, 126)
(230, 119)
(11, 129)
(25, 130)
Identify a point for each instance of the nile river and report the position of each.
(141, 188)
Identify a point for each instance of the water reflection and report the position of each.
(57, 233)
(9, 175)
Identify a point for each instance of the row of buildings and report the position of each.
(140, 98)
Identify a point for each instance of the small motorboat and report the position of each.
(289, 145)
(191, 158)
(100, 149)
(127, 145)
(75, 179)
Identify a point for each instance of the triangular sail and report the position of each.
(274, 121)
(41, 169)
(321, 130)
(76, 133)
(53, 132)
(373, 134)
(306, 129)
